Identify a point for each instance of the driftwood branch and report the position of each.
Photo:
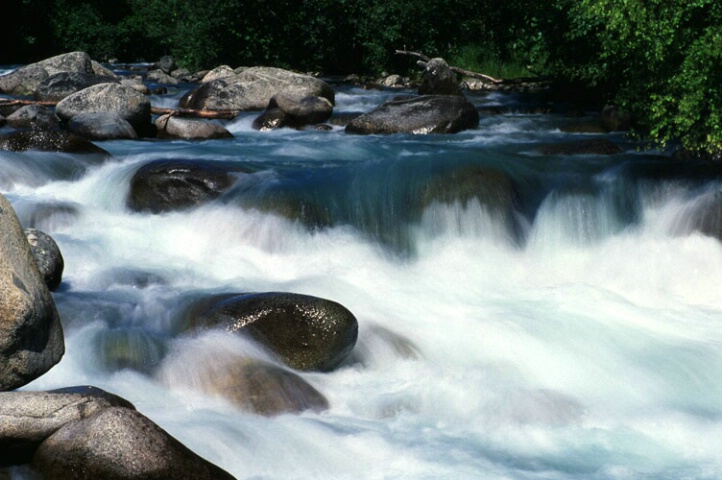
(189, 112)
(181, 112)
(423, 59)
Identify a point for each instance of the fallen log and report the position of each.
(423, 59)
(190, 112)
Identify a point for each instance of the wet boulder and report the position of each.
(26, 80)
(303, 331)
(109, 98)
(48, 140)
(170, 126)
(598, 146)
(101, 126)
(168, 185)
(252, 385)
(288, 110)
(30, 116)
(439, 79)
(166, 63)
(47, 256)
(63, 84)
(31, 336)
(28, 418)
(418, 115)
(119, 443)
(253, 88)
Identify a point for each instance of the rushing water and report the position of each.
(578, 336)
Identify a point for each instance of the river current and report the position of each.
(579, 337)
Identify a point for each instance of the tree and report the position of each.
(659, 59)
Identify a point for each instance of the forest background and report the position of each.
(660, 60)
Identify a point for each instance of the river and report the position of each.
(578, 336)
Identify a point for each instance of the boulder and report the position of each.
(109, 98)
(28, 418)
(599, 146)
(439, 79)
(304, 332)
(252, 385)
(31, 116)
(170, 126)
(418, 115)
(46, 140)
(221, 71)
(63, 84)
(47, 256)
(160, 76)
(166, 64)
(252, 89)
(289, 110)
(101, 126)
(31, 336)
(119, 443)
(167, 185)
(25, 80)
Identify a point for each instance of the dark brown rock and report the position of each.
(304, 332)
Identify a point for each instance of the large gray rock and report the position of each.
(167, 185)
(117, 444)
(304, 332)
(31, 116)
(26, 80)
(253, 88)
(101, 126)
(63, 84)
(109, 98)
(418, 115)
(170, 126)
(28, 418)
(31, 336)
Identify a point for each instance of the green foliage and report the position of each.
(660, 59)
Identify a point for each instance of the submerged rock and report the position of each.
(304, 332)
(418, 115)
(119, 443)
(600, 146)
(168, 185)
(31, 336)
